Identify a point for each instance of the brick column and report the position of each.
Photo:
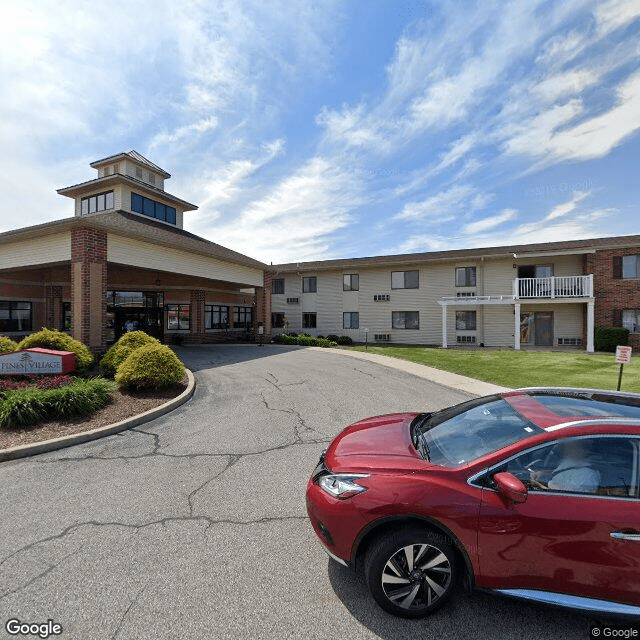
(53, 307)
(196, 314)
(263, 306)
(89, 286)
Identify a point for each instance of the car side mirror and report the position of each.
(510, 487)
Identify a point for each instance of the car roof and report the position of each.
(555, 408)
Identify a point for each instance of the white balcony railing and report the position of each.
(554, 287)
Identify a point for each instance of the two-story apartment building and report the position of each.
(549, 294)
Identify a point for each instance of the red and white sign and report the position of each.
(36, 361)
(623, 355)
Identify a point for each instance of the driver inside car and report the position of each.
(574, 473)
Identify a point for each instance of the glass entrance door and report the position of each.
(536, 328)
(134, 311)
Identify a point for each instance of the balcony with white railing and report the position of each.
(554, 287)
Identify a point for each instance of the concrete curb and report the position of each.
(445, 378)
(78, 438)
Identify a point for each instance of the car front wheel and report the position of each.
(411, 572)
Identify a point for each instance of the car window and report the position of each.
(603, 466)
(455, 438)
(595, 405)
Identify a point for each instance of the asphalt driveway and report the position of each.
(194, 525)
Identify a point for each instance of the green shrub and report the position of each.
(121, 350)
(24, 407)
(608, 338)
(49, 339)
(307, 341)
(7, 345)
(150, 367)
(285, 338)
(325, 343)
(344, 340)
(333, 337)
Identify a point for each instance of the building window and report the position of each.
(216, 316)
(351, 320)
(99, 202)
(243, 317)
(139, 173)
(152, 209)
(405, 279)
(465, 277)
(66, 316)
(309, 320)
(405, 319)
(310, 285)
(277, 286)
(153, 299)
(351, 282)
(631, 266)
(631, 320)
(178, 317)
(16, 316)
(278, 320)
(152, 179)
(465, 320)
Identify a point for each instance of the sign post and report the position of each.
(623, 356)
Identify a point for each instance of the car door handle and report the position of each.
(634, 536)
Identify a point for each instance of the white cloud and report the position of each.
(568, 83)
(615, 14)
(566, 208)
(480, 226)
(295, 220)
(444, 205)
(532, 137)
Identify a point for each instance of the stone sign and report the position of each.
(36, 361)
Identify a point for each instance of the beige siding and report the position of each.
(495, 323)
(53, 248)
(499, 326)
(146, 255)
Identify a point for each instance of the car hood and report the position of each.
(380, 443)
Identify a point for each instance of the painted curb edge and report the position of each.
(78, 438)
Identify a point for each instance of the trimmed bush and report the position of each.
(333, 337)
(7, 345)
(150, 367)
(121, 350)
(304, 340)
(49, 339)
(608, 338)
(344, 340)
(325, 343)
(24, 407)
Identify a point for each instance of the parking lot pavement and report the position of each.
(194, 525)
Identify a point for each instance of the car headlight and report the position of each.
(342, 485)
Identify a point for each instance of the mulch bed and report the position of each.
(125, 404)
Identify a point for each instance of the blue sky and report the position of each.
(344, 128)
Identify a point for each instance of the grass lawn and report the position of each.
(523, 368)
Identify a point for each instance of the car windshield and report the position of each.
(460, 434)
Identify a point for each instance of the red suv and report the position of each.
(533, 493)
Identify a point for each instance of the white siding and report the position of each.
(146, 255)
(53, 248)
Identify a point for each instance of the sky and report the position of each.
(312, 130)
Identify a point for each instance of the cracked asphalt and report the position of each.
(194, 525)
